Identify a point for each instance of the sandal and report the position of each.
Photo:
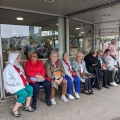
(29, 109)
(14, 114)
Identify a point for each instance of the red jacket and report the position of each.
(32, 69)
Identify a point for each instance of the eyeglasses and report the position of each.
(55, 56)
(34, 56)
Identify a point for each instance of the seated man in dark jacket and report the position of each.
(92, 62)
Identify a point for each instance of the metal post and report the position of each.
(119, 42)
(67, 35)
(61, 36)
(2, 90)
(94, 40)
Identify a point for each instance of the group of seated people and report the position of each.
(55, 72)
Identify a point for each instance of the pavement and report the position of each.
(103, 105)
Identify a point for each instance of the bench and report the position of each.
(22, 63)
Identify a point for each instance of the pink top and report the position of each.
(112, 48)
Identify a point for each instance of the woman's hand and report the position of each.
(94, 64)
(115, 68)
(39, 77)
(72, 78)
(104, 65)
(104, 68)
(90, 77)
(118, 64)
(61, 79)
(58, 81)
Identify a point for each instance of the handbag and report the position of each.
(86, 75)
(74, 73)
(57, 74)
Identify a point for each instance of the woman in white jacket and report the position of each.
(15, 83)
(71, 80)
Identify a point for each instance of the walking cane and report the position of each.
(98, 83)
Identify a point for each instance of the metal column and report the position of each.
(94, 40)
(119, 42)
(67, 35)
(2, 90)
(61, 36)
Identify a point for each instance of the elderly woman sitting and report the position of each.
(71, 79)
(56, 73)
(80, 67)
(35, 73)
(111, 65)
(103, 69)
(15, 83)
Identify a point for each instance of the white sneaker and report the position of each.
(64, 98)
(53, 101)
(114, 84)
(77, 95)
(70, 96)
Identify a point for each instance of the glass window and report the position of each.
(25, 39)
(81, 37)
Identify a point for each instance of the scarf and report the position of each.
(81, 68)
(68, 64)
(21, 75)
(55, 64)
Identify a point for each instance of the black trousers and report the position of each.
(98, 74)
(36, 87)
(87, 84)
(106, 77)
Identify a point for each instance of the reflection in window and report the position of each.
(80, 37)
(25, 39)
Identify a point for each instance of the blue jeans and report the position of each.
(76, 83)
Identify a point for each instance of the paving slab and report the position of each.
(103, 105)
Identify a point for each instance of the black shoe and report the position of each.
(99, 87)
(34, 105)
(15, 115)
(96, 86)
(118, 82)
(87, 93)
(106, 86)
(91, 92)
(48, 102)
(110, 85)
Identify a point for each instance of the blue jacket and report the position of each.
(76, 67)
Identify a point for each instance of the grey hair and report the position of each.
(79, 53)
(53, 52)
(64, 54)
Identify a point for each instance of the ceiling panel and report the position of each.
(45, 21)
(30, 19)
(61, 7)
